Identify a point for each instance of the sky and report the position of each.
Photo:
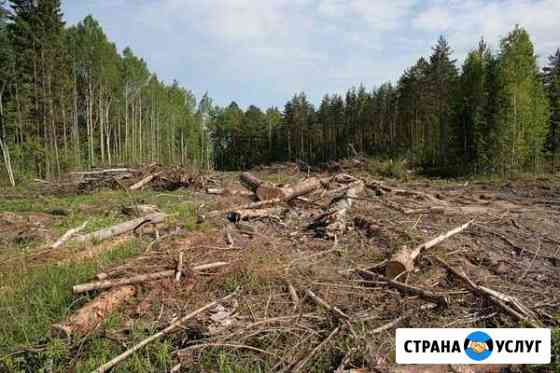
(262, 52)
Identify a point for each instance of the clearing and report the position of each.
(300, 282)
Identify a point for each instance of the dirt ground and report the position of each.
(276, 264)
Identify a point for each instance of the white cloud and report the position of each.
(465, 21)
(263, 51)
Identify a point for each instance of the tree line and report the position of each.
(498, 113)
(70, 100)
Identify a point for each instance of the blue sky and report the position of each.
(263, 51)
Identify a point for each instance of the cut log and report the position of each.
(90, 316)
(68, 235)
(249, 181)
(143, 182)
(111, 171)
(107, 284)
(403, 260)
(266, 191)
(121, 228)
(300, 189)
(250, 214)
(287, 193)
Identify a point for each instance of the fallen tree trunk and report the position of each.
(143, 182)
(403, 260)
(334, 221)
(68, 235)
(110, 171)
(287, 194)
(249, 214)
(267, 191)
(510, 305)
(107, 284)
(87, 318)
(121, 228)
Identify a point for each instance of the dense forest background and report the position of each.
(70, 100)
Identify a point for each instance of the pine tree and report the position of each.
(442, 80)
(475, 120)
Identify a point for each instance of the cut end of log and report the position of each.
(393, 269)
(402, 261)
(93, 313)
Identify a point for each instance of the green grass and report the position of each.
(35, 298)
(32, 298)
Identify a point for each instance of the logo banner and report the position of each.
(473, 346)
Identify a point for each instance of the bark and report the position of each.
(267, 191)
(7, 162)
(121, 228)
(248, 214)
(403, 260)
(90, 316)
(334, 221)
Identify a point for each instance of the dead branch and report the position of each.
(293, 294)
(106, 284)
(68, 235)
(319, 347)
(428, 295)
(394, 323)
(320, 302)
(510, 305)
(403, 260)
(519, 250)
(93, 313)
(171, 328)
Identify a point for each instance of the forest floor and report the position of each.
(277, 269)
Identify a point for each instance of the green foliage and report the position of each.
(522, 105)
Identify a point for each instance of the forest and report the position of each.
(69, 100)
